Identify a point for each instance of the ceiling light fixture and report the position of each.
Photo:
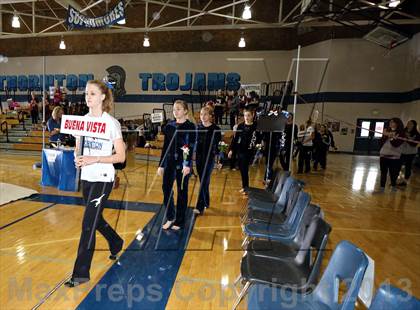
(242, 43)
(394, 4)
(146, 41)
(15, 21)
(62, 44)
(246, 14)
(3, 59)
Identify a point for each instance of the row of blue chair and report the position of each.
(285, 240)
(348, 263)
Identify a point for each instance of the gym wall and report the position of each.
(356, 70)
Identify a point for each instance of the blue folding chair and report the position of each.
(277, 212)
(284, 232)
(272, 187)
(274, 205)
(347, 264)
(270, 262)
(268, 199)
(389, 297)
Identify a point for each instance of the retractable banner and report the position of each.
(76, 19)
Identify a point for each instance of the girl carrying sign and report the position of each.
(97, 177)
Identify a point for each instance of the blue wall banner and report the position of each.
(191, 81)
(35, 81)
(155, 81)
(76, 19)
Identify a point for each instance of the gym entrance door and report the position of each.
(368, 135)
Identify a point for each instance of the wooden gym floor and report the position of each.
(38, 238)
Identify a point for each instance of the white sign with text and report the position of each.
(157, 117)
(85, 126)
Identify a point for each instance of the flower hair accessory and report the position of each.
(108, 82)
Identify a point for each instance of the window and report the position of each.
(365, 129)
(379, 129)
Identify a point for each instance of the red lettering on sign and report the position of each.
(89, 126)
(103, 127)
(74, 125)
(96, 127)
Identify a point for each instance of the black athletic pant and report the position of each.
(244, 160)
(218, 114)
(394, 166)
(321, 158)
(232, 160)
(270, 162)
(171, 173)
(285, 158)
(304, 158)
(34, 117)
(226, 117)
(232, 118)
(204, 173)
(407, 161)
(95, 194)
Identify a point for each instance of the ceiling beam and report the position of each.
(1, 20)
(199, 14)
(158, 14)
(86, 4)
(146, 15)
(203, 11)
(189, 12)
(17, 1)
(65, 4)
(205, 8)
(203, 27)
(55, 14)
(33, 17)
(292, 11)
(233, 12)
(280, 11)
(27, 14)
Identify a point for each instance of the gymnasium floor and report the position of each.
(39, 237)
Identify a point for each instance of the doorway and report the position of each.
(368, 134)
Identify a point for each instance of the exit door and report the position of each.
(368, 134)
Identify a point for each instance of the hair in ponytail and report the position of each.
(108, 102)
